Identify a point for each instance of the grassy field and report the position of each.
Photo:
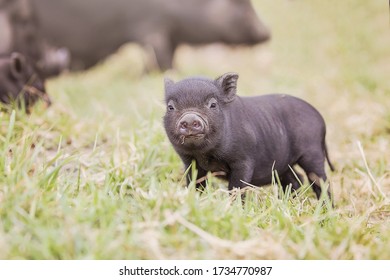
(94, 176)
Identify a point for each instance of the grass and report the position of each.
(94, 176)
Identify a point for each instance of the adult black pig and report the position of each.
(94, 29)
(244, 137)
(20, 32)
(19, 82)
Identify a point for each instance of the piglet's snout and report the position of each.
(191, 124)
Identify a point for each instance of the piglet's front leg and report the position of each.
(240, 172)
(201, 173)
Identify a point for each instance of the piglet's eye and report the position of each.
(212, 103)
(170, 106)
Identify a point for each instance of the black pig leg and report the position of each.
(201, 173)
(315, 171)
(291, 177)
(162, 47)
(240, 173)
(200, 178)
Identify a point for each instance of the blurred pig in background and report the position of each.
(94, 29)
(20, 83)
(20, 32)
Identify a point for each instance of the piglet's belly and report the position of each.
(212, 165)
(261, 181)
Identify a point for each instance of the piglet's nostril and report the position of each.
(183, 125)
(196, 124)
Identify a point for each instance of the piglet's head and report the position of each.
(19, 82)
(196, 110)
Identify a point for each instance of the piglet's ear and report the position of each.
(228, 83)
(168, 83)
(18, 64)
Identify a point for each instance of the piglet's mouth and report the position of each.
(34, 92)
(191, 128)
(191, 139)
